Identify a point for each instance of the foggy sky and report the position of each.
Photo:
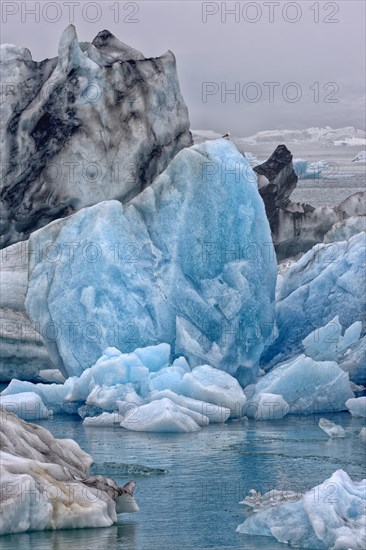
(229, 54)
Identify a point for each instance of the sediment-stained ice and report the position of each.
(44, 483)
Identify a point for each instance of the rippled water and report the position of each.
(195, 504)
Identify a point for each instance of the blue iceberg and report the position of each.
(328, 281)
(305, 385)
(120, 389)
(189, 262)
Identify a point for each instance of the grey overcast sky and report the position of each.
(289, 64)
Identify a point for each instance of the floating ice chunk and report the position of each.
(51, 376)
(363, 433)
(106, 397)
(353, 361)
(206, 383)
(316, 520)
(214, 413)
(267, 406)
(181, 362)
(81, 387)
(28, 406)
(332, 429)
(308, 386)
(103, 420)
(163, 416)
(357, 406)
(255, 501)
(126, 367)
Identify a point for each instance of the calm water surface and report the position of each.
(195, 504)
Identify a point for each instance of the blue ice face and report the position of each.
(327, 281)
(189, 262)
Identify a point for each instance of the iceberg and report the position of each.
(335, 270)
(327, 136)
(327, 343)
(105, 420)
(110, 393)
(84, 127)
(306, 171)
(163, 416)
(22, 351)
(45, 485)
(353, 361)
(139, 275)
(214, 413)
(357, 406)
(295, 226)
(331, 515)
(307, 386)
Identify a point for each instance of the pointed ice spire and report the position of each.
(69, 52)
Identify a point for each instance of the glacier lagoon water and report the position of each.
(195, 505)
